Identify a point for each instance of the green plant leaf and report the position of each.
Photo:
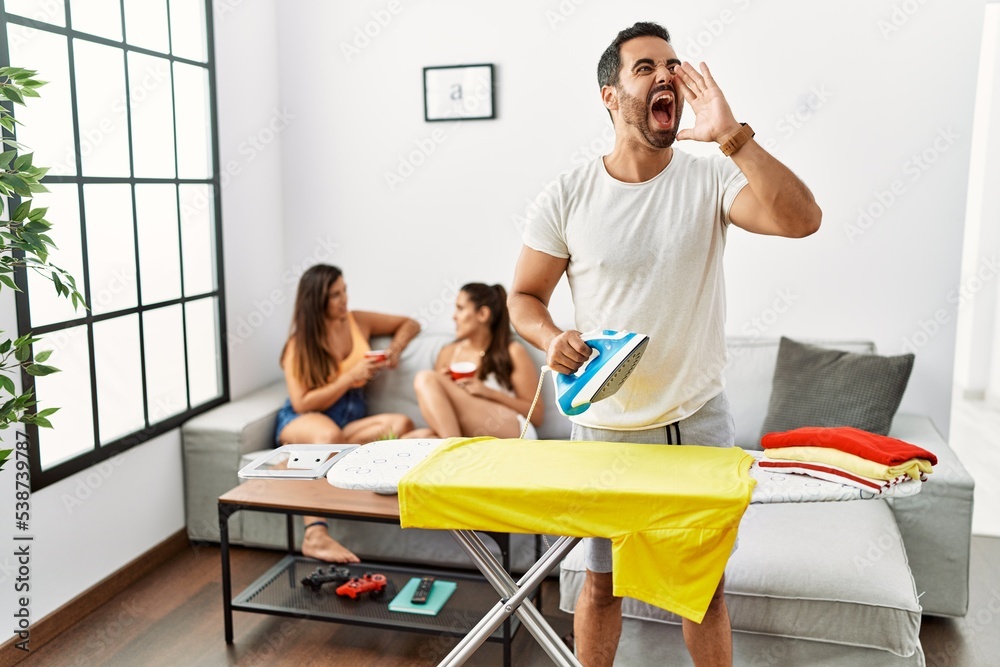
(39, 369)
(5, 279)
(42, 356)
(6, 384)
(22, 210)
(7, 156)
(41, 421)
(36, 215)
(23, 161)
(12, 94)
(15, 183)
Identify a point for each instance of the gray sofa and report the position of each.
(817, 584)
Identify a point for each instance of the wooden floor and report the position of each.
(175, 618)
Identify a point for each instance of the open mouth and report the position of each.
(662, 108)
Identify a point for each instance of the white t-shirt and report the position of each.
(647, 257)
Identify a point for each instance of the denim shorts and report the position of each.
(712, 425)
(348, 408)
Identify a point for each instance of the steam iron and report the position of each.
(614, 358)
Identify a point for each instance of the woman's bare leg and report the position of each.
(314, 428)
(435, 404)
(377, 427)
(451, 411)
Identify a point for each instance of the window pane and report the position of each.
(46, 11)
(146, 24)
(64, 214)
(193, 131)
(187, 29)
(204, 371)
(119, 378)
(101, 108)
(166, 380)
(97, 17)
(159, 247)
(110, 247)
(72, 431)
(197, 239)
(152, 116)
(47, 122)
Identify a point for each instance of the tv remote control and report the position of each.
(423, 591)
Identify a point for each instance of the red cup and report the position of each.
(462, 370)
(376, 355)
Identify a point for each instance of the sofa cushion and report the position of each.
(839, 576)
(748, 374)
(814, 386)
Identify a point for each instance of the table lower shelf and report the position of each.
(280, 591)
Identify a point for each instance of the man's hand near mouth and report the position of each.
(713, 119)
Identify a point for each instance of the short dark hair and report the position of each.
(610, 64)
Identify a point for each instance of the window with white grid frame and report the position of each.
(126, 124)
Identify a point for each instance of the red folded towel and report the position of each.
(879, 448)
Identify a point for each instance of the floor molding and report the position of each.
(45, 630)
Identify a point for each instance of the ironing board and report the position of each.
(380, 466)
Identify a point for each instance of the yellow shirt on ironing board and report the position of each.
(671, 513)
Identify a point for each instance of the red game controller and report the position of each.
(373, 583)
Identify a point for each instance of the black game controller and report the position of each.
(325, 575)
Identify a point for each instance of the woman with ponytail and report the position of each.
(495, 399)
(326, 368)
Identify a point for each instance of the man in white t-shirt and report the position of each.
(640, 234)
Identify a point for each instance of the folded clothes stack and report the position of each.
(847, 456)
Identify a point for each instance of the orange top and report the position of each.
(359, 345)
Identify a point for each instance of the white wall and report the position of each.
(885, 86)
(93, 523)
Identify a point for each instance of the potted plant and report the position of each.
(24, 243)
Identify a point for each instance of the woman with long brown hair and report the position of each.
(494, 400)
(327, 364)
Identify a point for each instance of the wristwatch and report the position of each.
(735, 141)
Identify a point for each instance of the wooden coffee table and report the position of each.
(279, 591)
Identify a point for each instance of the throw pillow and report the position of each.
(815, 386)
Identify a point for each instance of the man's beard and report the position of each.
(635, 112)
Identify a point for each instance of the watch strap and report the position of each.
(736, 140)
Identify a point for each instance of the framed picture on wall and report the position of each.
(459, 92)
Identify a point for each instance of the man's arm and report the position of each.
(535, 277)
(776, 202)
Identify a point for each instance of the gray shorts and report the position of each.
(712, 426)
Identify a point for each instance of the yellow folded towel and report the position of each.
(850, 462)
